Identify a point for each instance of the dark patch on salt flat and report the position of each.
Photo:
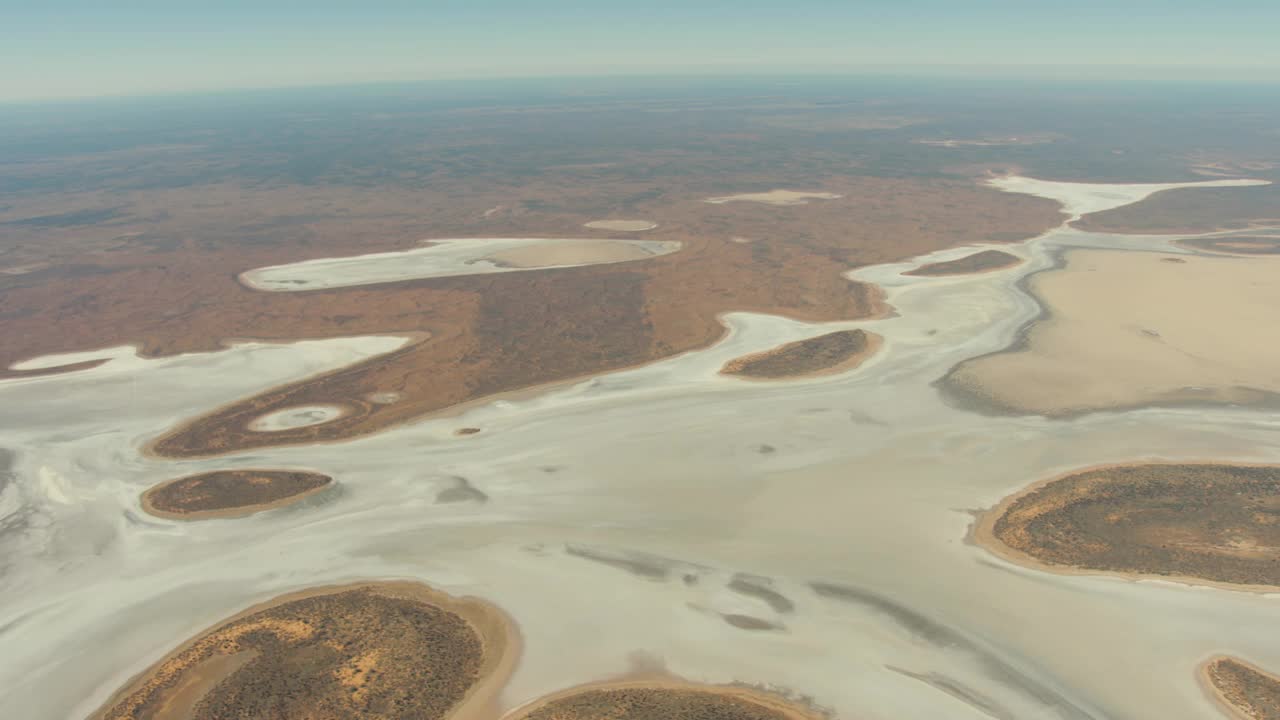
(762, 588)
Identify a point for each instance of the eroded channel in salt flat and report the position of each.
(623, 513)
(445, 258)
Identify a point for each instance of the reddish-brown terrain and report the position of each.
(169, 284)
(1192, 210)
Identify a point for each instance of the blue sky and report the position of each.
(73, 48)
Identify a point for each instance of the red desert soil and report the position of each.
(1206, 523)
(230, 493)
(979, 262)
(821, 355)
(385, 650)
(169, 292)
(1245, 691)
(1191, 210)
(661, 700)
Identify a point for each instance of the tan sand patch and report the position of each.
(1125, 329)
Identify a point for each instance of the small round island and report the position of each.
(231, 493)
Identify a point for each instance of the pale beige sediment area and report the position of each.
(451, 257)
(585, 252)
(774, 197)
(621, 225)
(1243, 690)
(1127, 329)
(176, 687)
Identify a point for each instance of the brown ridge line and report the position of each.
(981, 533)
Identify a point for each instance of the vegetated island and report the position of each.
(665, 699)
(230, 493)
(825, 354)
(1202, 523)
(1246, 691)
(385, 650)
(979, 262)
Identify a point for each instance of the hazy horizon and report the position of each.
(77, 49)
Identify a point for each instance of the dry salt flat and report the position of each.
(629, 514)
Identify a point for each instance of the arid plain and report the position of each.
(800, 547)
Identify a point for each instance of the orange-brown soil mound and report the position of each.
(1219, 523)
(393, 650)
(223, 493)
